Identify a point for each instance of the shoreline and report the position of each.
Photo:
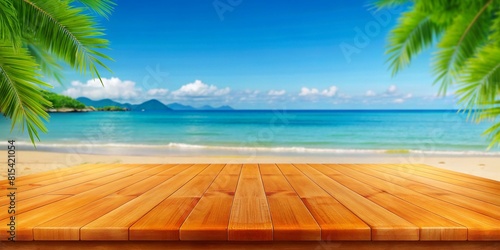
(30, 162)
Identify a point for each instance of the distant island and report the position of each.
(66, 104)
(63, 104)
(151, 105)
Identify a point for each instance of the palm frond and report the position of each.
(481, 79)
(10, 29)
(65, 32)
(414, 32)
(390, 3)
(468, 32)
(495, 28)
(21, 99)
(494, 133)
(48, 63)
(101, 7)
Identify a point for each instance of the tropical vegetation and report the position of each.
(36, 36)
(465, 35)
(112, 108)
(60, 101)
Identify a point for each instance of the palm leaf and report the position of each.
(390, 3)
(414, 32)
(65, 32)
(21, 99)
(459, 43)
(48, 63)
(101, 7)
(10, 29)
(481, 80)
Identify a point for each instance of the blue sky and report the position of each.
(256, 55)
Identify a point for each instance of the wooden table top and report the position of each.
(253, 202)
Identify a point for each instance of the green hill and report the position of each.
(61, 101)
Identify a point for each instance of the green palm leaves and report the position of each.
(36, 36)
(466, 34)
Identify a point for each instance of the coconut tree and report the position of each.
(37, 37)
(465, 35)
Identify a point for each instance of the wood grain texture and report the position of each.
(250, 218)
(115, 224)
(163, 222)
(336, 221)
(244, 205)
(433, 191)
(494, 191)
(444, 184)
(209, 219)
(28, 220)
(291, 219)
(432, 226)
(455, 175)
(385, 225)
(208, 245)
(480, 227)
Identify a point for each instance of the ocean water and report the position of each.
(271, 131)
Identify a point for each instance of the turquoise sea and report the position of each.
(271, 131)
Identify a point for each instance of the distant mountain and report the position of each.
(151, 105)
(178, 106)
(100, 103)
(208, 107)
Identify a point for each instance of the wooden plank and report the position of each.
(385, 225)
(28, 220)
(494, 191)
(432, 226)
(208, 220)
(250, 218)
(67, 226)
(291, 219)
(61, 177)
(457, 175)
(415, 176)
(336, 221)
(302, 185)
(148, 170)
(480, 227)
(432, 191)
(115, 224)
(196, 245)
(210, 217)
(51, 174)
(49, 189)
(30, 204)
(163, 222)
(275, 183)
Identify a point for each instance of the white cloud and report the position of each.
(399, 100)
(392, 90)
(370, 93)
(113, 88)
(158, 92)
(200, 89)
(330, 91)
(306, 91)
(408, 96)
(276, 92)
